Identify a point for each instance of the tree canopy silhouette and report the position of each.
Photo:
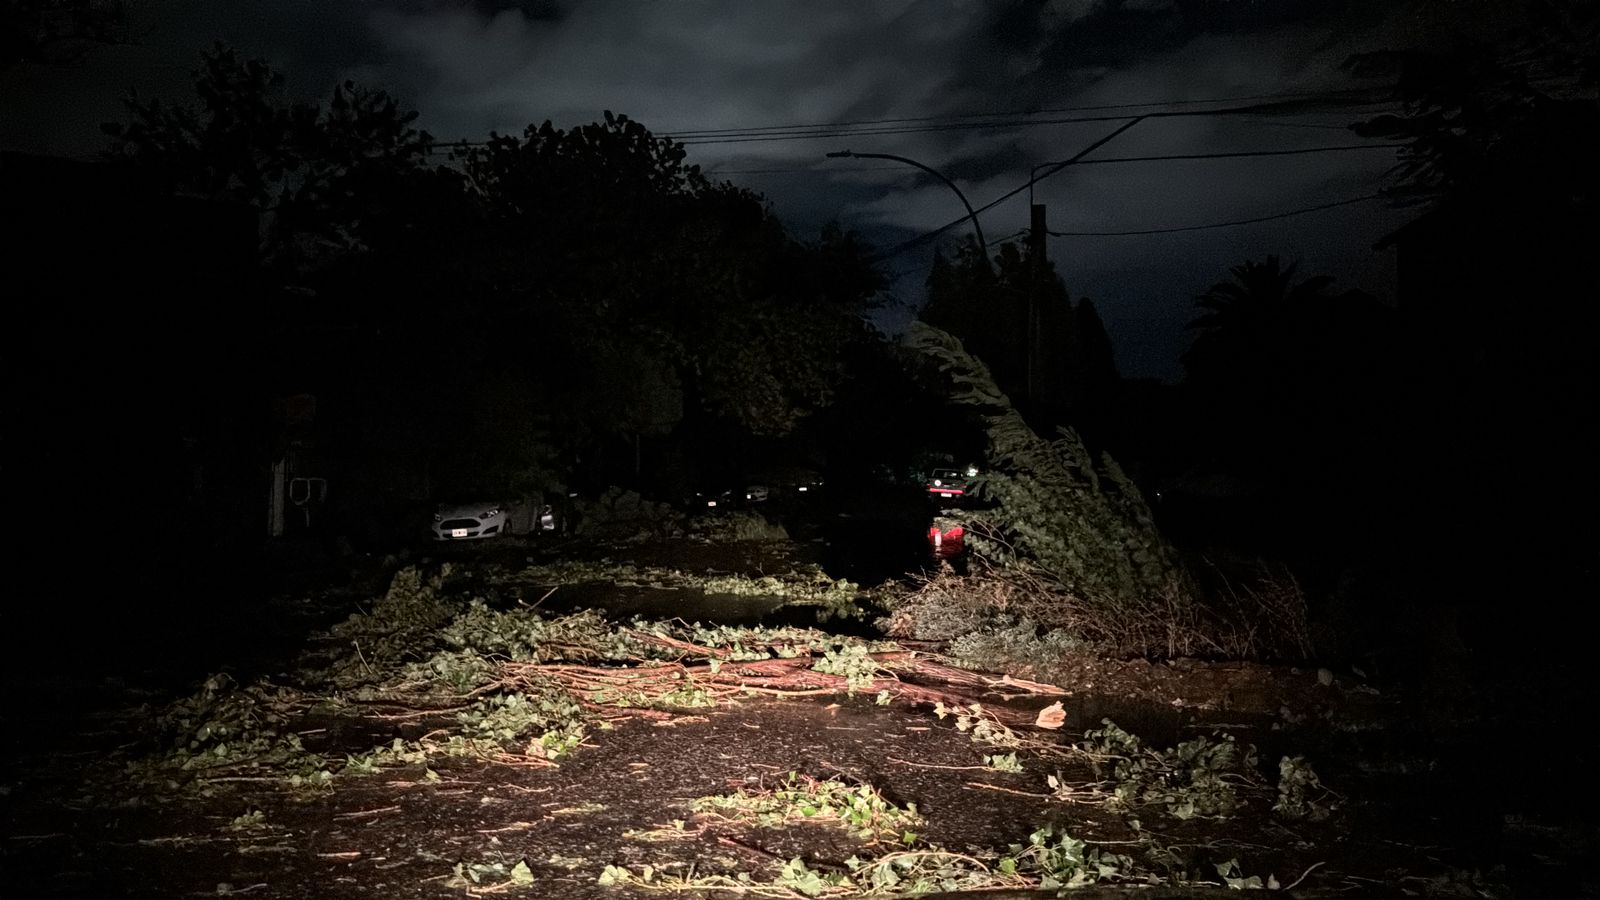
(1512, 120)
(1074, 375)
(605, 233)
(595, 280)
(324, 177)
(1296, 383)
(62, 32)
(1496, 279)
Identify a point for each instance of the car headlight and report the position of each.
(438, 517)
(490, 514)
(937, 483)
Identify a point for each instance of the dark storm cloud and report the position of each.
(58, 109)
(685, 65)
(312, 43)
(536, 10)
(471, 66)
(475, 67)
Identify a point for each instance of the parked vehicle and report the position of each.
(756, 493)
(795, 482)
(712, 498)
(950, 483)
(479, 519)
(471, 521)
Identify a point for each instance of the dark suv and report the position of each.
(948, 483)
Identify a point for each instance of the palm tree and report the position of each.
(1248, 324)
(1258, 293)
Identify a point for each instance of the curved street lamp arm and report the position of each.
(983, 247)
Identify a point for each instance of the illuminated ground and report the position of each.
(1418, 802)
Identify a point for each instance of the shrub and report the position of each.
(738, 525)
(620, 514)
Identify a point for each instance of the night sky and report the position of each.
(975, 90)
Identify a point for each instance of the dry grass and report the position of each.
(1266, 618)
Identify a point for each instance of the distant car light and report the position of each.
(802, 489)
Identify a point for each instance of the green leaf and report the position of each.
(521, 874)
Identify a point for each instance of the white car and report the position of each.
(470, 521)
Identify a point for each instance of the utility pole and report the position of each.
(1037, 234)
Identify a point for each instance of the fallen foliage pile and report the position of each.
(802, 585)
(511, 685)
(1011, 619)
(501, 682)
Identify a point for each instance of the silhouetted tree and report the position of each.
(1245, 345)
(1496, 287)
(617, 240)
(1094, 384)
(1510, 120)
(988, 308)
(323, 177)
(1061, 511)
(544, 298)
(1296, 386)
(61, 32)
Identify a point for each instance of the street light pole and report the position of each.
(983, 247)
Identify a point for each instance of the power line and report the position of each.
(1237, 154)
(994, 121)
(1148, 231)
(1035, 179)
(771, 137)
(1007, 125)
(1282, 215)
(1086, 162)
(819, 170)
(706, 132)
